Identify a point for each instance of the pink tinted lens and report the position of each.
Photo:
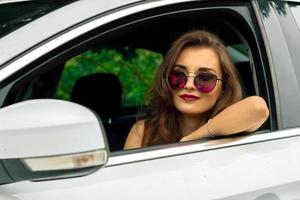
(205, 82)
(177, 80)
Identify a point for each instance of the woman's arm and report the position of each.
(135, 136)
(246, 115)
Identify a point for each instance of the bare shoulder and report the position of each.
(138, 127)
(140, 124)
(135, 136)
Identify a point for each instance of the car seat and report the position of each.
(102, 93)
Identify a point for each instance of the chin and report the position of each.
(194, 108)
(189, 110)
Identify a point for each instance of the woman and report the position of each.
(197, 95)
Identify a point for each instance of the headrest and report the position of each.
(100, 92)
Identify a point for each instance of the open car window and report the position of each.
(112, 72)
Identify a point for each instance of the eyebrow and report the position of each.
(198, 70)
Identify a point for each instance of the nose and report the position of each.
(190, 83)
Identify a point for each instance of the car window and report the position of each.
(110, 72)
(14, 15)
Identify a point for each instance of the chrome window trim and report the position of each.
(12, 1)
(197, 146)
(56, 42)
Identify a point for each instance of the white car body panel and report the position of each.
(227, 172)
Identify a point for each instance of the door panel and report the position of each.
(240, 172)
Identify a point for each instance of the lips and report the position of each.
(189, 97)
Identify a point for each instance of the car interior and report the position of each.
(103, 92)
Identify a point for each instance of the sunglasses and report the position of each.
(204, 82)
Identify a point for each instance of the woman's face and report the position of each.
(193, 61)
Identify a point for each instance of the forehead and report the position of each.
(195, 58)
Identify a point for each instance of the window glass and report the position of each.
(17, 14)
(295, 8)
(135, 69)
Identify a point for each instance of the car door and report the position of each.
(257, 166)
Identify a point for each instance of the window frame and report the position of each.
(81, 40)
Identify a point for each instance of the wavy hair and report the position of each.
(161, 124)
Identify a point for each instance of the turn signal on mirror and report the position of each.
(67, 162)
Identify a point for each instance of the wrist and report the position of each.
(209, 130)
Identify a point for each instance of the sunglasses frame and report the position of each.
(187, 76)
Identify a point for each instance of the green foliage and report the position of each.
(134, 67)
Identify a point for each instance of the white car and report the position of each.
(73, 78)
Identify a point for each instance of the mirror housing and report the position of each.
(46, 139)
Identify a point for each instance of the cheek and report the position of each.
(212, 98)
(215, 94)
(204, 104)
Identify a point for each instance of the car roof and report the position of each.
(53, 23)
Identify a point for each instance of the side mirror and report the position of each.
(46, 139)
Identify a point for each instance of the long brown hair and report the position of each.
(161, 124)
